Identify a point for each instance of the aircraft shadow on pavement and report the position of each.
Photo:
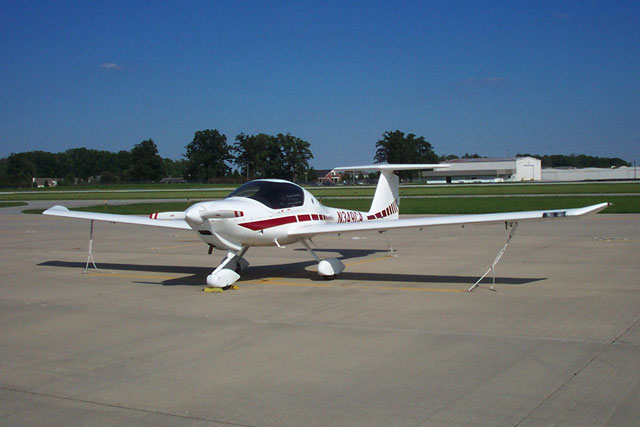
(293, 270)
(201, 273)
(298, 271)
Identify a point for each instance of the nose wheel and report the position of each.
(228, 272)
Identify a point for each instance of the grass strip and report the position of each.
(198, 195)
(11, 204)
(116, 193)
(490, 189)
(116, 187)
(466, 205)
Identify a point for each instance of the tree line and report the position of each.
(577, 161)
(141, 163)
(210, 158)
(281, 156)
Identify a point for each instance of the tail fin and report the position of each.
(386, 200)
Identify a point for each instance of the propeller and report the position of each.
(197, 214)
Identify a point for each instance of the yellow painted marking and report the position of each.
(280, 281)
(179, 246)
(364, 261)
(404, 288)
(212, 290)
(218, 290)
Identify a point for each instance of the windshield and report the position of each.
(276, 195)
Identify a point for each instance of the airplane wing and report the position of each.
(384, 225)
(125, 219)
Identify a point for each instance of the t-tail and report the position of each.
(386, 200)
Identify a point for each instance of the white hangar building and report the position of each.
(590, 174)
(487, 170)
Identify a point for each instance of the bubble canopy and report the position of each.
(274, 194)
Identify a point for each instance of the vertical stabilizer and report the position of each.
(386, 200)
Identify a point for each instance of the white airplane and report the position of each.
(273, 212)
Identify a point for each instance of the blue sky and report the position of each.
(494, 78)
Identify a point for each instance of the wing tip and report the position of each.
(587, 210)
(57, 208)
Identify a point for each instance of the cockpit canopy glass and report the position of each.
(276, 195)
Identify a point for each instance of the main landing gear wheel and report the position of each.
(328, 268)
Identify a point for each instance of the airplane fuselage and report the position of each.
(254, 224)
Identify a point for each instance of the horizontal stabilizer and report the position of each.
(392, 167)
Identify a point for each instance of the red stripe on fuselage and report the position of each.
(268, 223)
(389, 210)
(274, 222)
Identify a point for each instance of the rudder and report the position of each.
(386, 199)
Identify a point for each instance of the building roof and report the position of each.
(40, 181)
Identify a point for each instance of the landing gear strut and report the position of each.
(226, 274)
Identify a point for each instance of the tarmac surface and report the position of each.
(392, 341)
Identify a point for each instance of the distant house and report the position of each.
(328, 176)
(45, 182)
(172, 180)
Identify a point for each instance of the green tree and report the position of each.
(108, 178)
(174, 168)
(396, 147)
(123, 162)
(146, 164)
(207, 156)
(20, 170)
(448, 157)
(296, 155)
(44, 162)
(4, 176)
(282, 156)
(577, 161)
(251, 154)
(83, 163)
